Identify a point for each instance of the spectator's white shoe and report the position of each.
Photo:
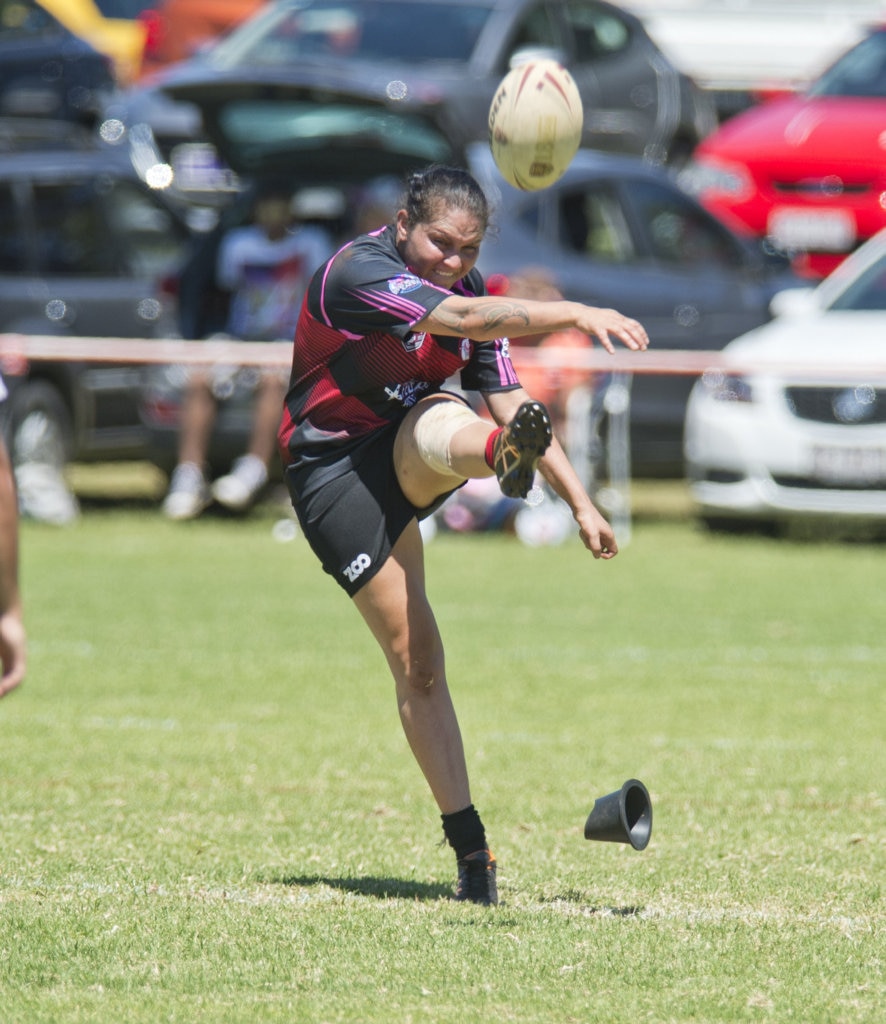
(43, 494)
(239, 489)
(188, 493)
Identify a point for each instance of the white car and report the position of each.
(741, 49)
(794, 422)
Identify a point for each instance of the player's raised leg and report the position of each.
(441, 443)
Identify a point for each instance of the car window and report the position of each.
(144, 230)
(24, 19)
(336, 28)
(597, 31)
(592, 222)
(537, 29)
(71, 235)
(263, 130)
(860, 72)
(867, 292)
(678, 232)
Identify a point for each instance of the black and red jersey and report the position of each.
(357, 364)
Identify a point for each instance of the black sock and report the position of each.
(464, 831)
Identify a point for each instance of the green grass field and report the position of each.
(208, 812)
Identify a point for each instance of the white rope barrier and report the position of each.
(173, 351)
(161, 351)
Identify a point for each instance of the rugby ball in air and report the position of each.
(535, 122)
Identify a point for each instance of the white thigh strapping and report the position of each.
(434, 431)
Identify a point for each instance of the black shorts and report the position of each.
(353, 520)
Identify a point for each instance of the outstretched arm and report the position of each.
(486, 318)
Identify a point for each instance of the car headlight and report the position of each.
(727, 387)
(708, 179)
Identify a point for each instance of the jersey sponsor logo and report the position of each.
(414, 342)
(403, 283)
(356, 569)
(407, 393)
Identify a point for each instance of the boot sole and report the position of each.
(529, 435)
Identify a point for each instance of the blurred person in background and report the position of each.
(551, 384)
(567, 392)
(376, 204)
(13, 646)
(480, 505)
(264, 266)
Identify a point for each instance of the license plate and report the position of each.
(818, 230)
(856, 466)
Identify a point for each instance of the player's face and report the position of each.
(443, 249)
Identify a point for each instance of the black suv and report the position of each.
(86, 249)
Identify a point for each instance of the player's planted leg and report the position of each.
(476, 879)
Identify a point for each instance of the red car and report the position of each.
(177, 29)
(806, 171)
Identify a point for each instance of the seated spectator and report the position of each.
(265, 267)
(552, 385)
(478, 507)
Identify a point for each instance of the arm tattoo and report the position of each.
(495, 314)
(499, 313)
